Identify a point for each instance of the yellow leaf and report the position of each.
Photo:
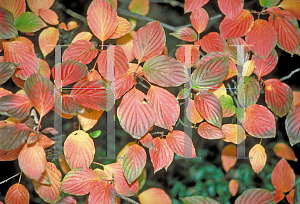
(258, 157)
(248, 68)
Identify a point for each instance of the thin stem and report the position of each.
(127, 199)
(20, 177)
(290, 75)
(39, 124)
(98, 164)
(9, 178)
(260, 141)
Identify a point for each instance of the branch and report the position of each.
(9, 178)
(70, 12)
(290, 75)
(127, 199)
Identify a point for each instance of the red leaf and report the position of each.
(209, 131)
(264, 67)
(103, 193)
(154, 195)
(181, 55)
(229, 156)
(79, 181)
(12, 135)
(22, 53)
(48, 38)
(8, 27)
(35, 5)
(162, 155)
(255, 195)
(279, 96)
(165, 105)
(287, 29)
(149, 41)
(93, 94)
(4, 92)
(180, 143)
(231, 8)
(248, 91)
(231, 133)
(283, 150)
(292, 125)
(199, 19)
(134, 162)
(191, 5)
(147, 141)
(262, 37)
(32, 160)
(209, 107)
(290, 196)
(257, 157)
(136, 115)
(82, 51)
(278, 196)
(213, 42)
(79, 148)
(234, 47)
(6, 71)
(292, 6)
(283, 176)
(233, 186)
(123, 28)
(49, 16)
(238, 27)
(67, 200)
(16, 7)
(10, 155)
(15, 105)
(192, 113)
(186, 34)
(121, 184)
(17, 193)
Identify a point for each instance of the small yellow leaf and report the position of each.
(248, 68)
(258, 157)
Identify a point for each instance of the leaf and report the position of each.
(49, 193)
(292, 6)
(248, 91)
(142, 179)
(199, 199)
(186, 34)
(228, 156)
(79, 148)
(6, 71)
(112, 63)
(268, 3)
(248, 68)
(48, 38)
(17, 193)
(199, 19)
(257, 157)
(4, 92)
(149, 41)
(63, 164)
(12, 135)
(127, 45)
(165, 71)
(49, 16)
(139, 7)
(162, 155)
(278, 196)
(263, 38)
(191, 5)
(264, 67)
(29, 22)
(99, 95)
(231, 8)
(41, 98)
(154, 195)
(134, 162)
(296, 97)
(88, 120)
(82, 51)
(283, 150)
(44, 68)
(44, 141)
(67, 200)
(255, 195)
(236, 48)
(213, 42)
(192, 113)
(147, 141)
(32, 160)
(69, 105)
(237, 27)
(233, 186)
(8, 27)
(181, 54)
(121, 184)
(35, 5)
(10, 155)
(95, 134)
(82, 36)
(209, 107)
(279, 97)
(123, 28)
(180, 143)
(209, 131)
(264, 127)
(16, 7)
(79, 181)
(232, 133)
(120, 156)
(22, 53)
(165, 105)
(15, 105)
(283, 176)
(290, 196)
(210, 73)
(103, 193)
(288, 32)
(228, 107)
(292, 124)
(102, 19)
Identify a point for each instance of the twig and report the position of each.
(9, 178)
(185, 125)
(290, 75)
(70, 12)
(127, 199)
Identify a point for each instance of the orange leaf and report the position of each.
(32, 160)
(48, 38)
(209, 131)
(264, 67)
(292, 125)
(296, 97)
(278, 196)
(45, 141)
(154, 195)
(192, 113)
(230, 131)
(139, 7)
(283, 176)
(103, 193)
(255, 195)
(88, 120)
(186, 34)
(181, 55)
(191, 5)
(10, 155)
(72, 25)
(49, 16)
(213, 42)
(292, 6)
(233, 186)
(228, 156)
(199, 19)
(258, 157)
(290, 196)
(283, 150)
(123, 28)
(79, 149)
(4, 92)
(82, 36)
(35, 5)
(127, 45)
(63, 164)
(16, 7)
(102, 19)
(44, 68)
(231, 8)
(17, 193)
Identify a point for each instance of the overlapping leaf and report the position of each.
(292, 6)
(238, 49)
(257, 157)
(248, 91)
(231, 8)
(49, 16)
(182, 53)
(228, 156)
(264, 67)
(10, 155)
(103, 193)
(8, 27)
(213, 42)
(48, 38)
(186, 34)
(192, 113)
(88, 120)
(209, 131)
(228, 107)
(82, 36)
(35, 5)
(199, 19)
(45, 141)
(268, 3)
(17, 193)
(123, 28)
(292, 125)
(16, 7)
(44, 68)
(191, 5)
(283, 176)
(6, 71)
(147, 141)
(283, 150)
(255, 195)
(29, 22)
(15, 105)
(233, 133)
(154, 195)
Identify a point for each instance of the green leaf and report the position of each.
(29, 22)
(228, 108)
(8, 27)
(95, 134)
(268, 3)
(142, 179)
